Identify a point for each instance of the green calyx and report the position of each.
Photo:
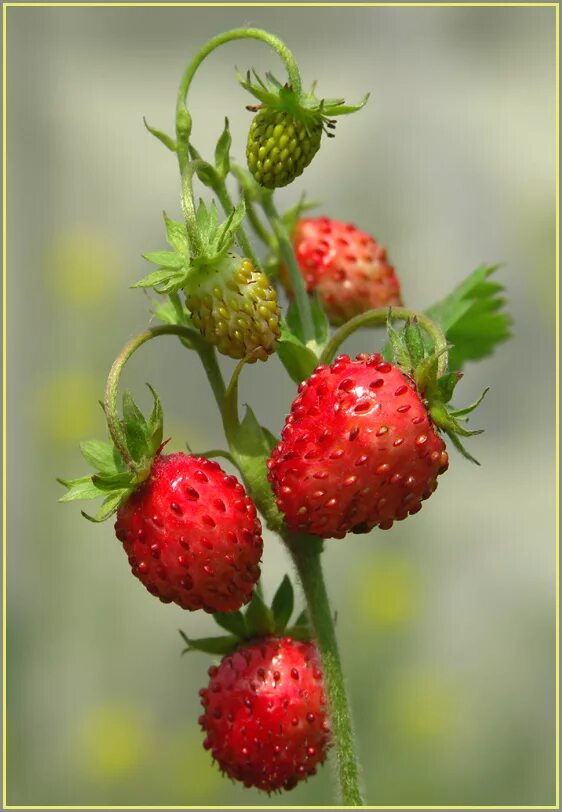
(412, 356)
(114, 479)
(285, 134)
(304, 107)
(258, 620)
(210, 242)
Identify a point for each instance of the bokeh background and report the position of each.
(447, 621)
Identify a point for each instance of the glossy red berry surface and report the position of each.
(358, 450)
(192, 535)
(265, 713)
(346, 267)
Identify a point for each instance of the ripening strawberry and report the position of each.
(235, 308)
(280, 147)
(358, 450)
(192, 535)
(346, 267)
(265, 713)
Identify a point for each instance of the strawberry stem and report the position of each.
(286, 250)
(379, 318)
(183, 117)
(305, 552)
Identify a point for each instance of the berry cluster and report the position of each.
(362, 446)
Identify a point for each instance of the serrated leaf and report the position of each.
(259, 618)
(82, 488)
(102, 456)
(283, 604)
(472, 317)
(161, 136)
(166, 259)
(176, 234)
(298, 360)
(222, 151)
(233, 622)
(135, 427)
(211, 645)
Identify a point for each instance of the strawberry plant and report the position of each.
(363, 445)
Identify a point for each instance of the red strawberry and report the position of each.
(346, 267)
(192, 535)
(358, 450)
(265, 713)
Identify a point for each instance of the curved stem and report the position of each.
(112, 385)
(306, 555)
(183, 118)
(286, 249)
(378, 318)
(208, 357)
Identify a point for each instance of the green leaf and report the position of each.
(162, 137)
(283, 604)
(109, 506)
(259, 619)
(163, 280)
(135, 427)
(271, 439)
(176, 234)
(103, 457)
(446, 385)
(82, 488)
(299, 632)
(472, 407)
(298, 360)
(155, 425)
(207, 174)
(211, 645)
(166, 259)
(226, 233)
(320, 321)
(400, 354)
(472, 317)
(413, 337)
(302, 619)
(222, 151)
(233, 622)
(112, 482)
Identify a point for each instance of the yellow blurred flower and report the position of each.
(66, 406)
(422, 706)
(113, 741)
(82, 267)
(387, 591)
(192, 774)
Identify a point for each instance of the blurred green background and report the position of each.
(446, 622)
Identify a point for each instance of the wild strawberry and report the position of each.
(265, 713)
(358, 450)
(235, 308)
(285, 134)
(280, 147)
(192, 535)
(346, 267)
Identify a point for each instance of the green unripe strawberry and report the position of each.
(235, 308)
(286, 131)
(280, 147)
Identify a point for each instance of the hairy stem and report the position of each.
(183, 117)
(286, 249)
(378, 318)
(306, 555)
(112, 385)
